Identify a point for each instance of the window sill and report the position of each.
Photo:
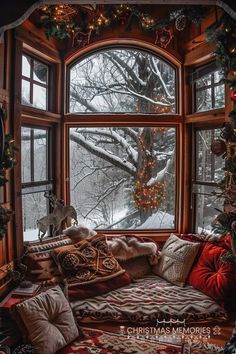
(212, 115)
(156, 235)
(36, 113)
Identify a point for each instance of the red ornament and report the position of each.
(233, 95)
(218, 147)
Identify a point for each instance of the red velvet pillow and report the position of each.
(212, 277)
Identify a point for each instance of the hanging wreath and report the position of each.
(148, 197)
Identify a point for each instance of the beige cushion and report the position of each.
(48, 320)
(177, 257)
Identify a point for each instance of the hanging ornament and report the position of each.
(81, 39)
(180, 22)
(163, 37)
(218, 147)
(233, 95)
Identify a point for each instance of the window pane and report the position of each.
(208, 93)
(122, 80)
(40, 72)
(203, 100)
(40, 155)
(25, 92)
(206, 204)
(123, 178)
(26, 66)
(39, 97)
(25, 155)
(219, 96)
(203, 81)
(34, 207)
(218, 76)
(208, 165)
(34, 154)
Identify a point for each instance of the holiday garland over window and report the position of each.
(223, 33)
(86, 21)
(7, 161)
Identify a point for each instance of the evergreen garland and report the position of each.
(111, 15)
(222, 33)
(7, 162)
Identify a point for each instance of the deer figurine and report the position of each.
(44, 223)
(61, 211)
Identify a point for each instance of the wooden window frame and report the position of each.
(194, 181)
(140, 120)
(207, 69)
(33, 82)
(72, 121)
(49, 183)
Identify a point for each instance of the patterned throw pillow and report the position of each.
(177, 257)
(90, 268)
(38, 259)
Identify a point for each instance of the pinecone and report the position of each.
(24, 349)
(180, 22)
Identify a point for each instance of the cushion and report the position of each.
(211, 276)
(90, 268)
(48, 321)
(41, 265)
(177, 257)
(145, 301)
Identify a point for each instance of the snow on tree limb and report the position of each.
(132, 153)
(130, 92)
(131, 132)
(83, 101)
(156, 72)
(161, 174)
(121, 65)
(105, 155)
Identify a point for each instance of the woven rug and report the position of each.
(100, 342)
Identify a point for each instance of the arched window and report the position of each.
(122, 80)
(122, 171)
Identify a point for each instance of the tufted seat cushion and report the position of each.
(48, 321)
(211, 276)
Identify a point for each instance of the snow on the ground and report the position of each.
(159, 220)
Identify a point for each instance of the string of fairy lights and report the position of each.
(148, 196)
(83, 21)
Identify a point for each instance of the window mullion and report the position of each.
(32, 155)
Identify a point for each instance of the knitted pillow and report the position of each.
(47, 321)
(38, 259)
(177, 257)
(90, 268)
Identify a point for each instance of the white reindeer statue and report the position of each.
(60, 213)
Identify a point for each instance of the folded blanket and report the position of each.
(127, 247)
